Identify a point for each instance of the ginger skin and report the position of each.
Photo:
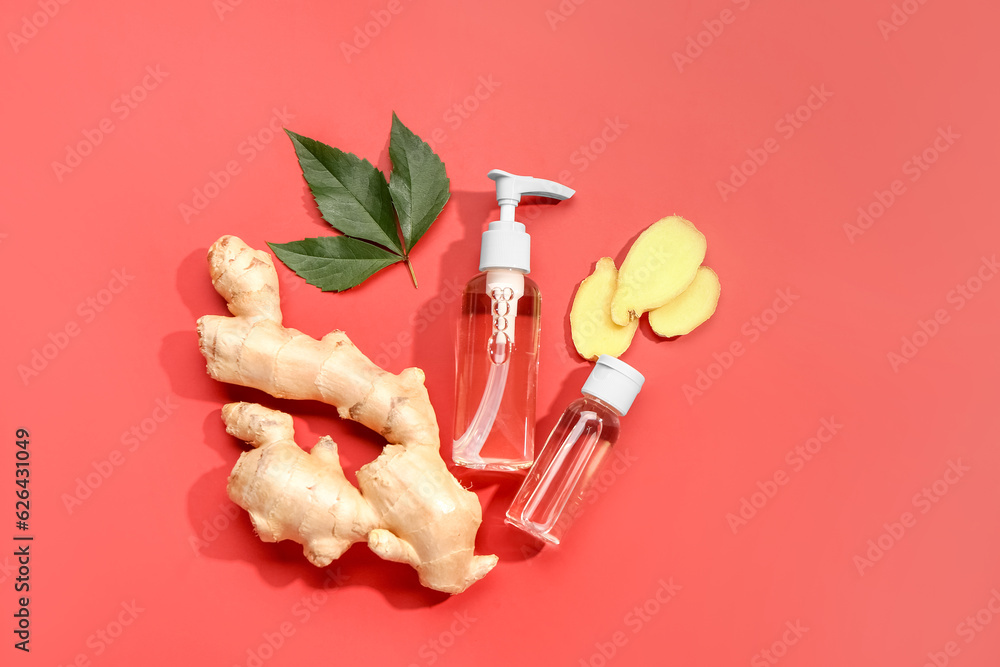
(410, 508)
(292, 495)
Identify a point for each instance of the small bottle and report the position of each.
(582, 440)
(497, 351)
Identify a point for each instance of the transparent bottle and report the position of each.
(486, 365)
(582, 440)
(497, 350)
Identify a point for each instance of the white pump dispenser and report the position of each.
(506, 244)
(494, 427)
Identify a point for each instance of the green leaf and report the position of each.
(334, 263)
(351, 193)
(418, 183)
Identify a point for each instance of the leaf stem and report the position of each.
(412, 274)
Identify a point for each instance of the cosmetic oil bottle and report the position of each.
(581, 442)
(497, 350)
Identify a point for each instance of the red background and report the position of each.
(555, 85)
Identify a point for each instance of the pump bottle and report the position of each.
(574, 454)
(498, 333)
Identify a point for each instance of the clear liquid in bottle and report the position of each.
(510, 443)
(580, 443)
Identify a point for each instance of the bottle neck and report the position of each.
(603, 403)
(507, 208)
(503, 269)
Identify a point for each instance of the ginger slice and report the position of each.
(661, 263)
(594, 332)
(690, 308)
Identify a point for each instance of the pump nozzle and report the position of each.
(510, 188)
(506, 245)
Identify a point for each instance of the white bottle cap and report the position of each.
(506, 244)
(614, 382)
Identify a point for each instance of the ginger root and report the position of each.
(410, 508)
(292, 495)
